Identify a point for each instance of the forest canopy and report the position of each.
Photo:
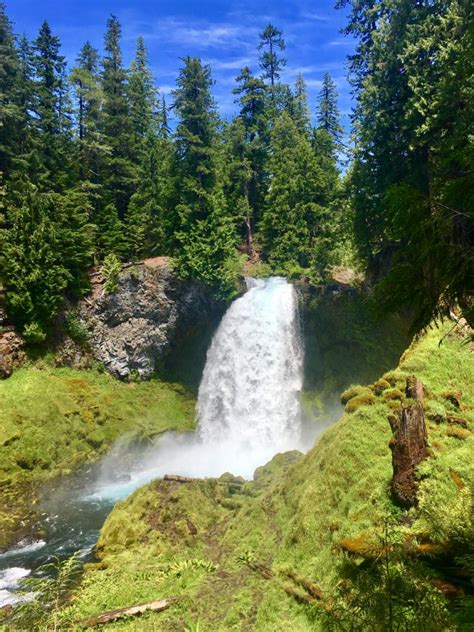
(92, 170)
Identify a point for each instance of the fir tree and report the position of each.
(271, 41)
(195, 137)
(47, 244)
(164, 129)
(300, 107)
(328, 116)
(119, 170)
(89, 99)
(142, 95)
(148, 226)
(50, 105)
(412, 171)
(252, 99)
(240, 174)
(206, 238)
(295, 224)
(10, 111)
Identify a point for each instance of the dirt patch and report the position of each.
(157, 262)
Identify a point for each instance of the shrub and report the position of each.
(110, 270)
(34, 334)
(76, 329)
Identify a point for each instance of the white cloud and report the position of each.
(341, 41)
(315, 17)
(229, 64)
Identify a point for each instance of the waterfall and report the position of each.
(248, 403)
(249, 393)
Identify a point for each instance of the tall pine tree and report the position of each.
(52, 112)
(206, 237)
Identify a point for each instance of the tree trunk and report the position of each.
(409, 445)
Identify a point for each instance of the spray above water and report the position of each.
(248, 403)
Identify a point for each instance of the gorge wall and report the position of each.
(143, 325)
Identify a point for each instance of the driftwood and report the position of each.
(409, 445)
(177, 478)
(132, 611)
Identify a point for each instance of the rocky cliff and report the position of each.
(133, 330)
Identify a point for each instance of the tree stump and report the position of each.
(409, 446)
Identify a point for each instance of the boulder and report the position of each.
(11, 352)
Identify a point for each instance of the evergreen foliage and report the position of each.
(412, 173)
(206, 235)
(100, 137)
(46, 245)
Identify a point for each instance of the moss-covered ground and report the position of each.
(51, 420)
(253, 556)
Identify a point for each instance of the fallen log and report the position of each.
(178, 479)
(132, 611)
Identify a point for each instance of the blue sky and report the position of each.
(223, 34)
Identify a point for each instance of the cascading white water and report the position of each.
(248, 403)
(249, 393)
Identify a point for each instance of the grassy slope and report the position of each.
(159, 542)
(53, 419)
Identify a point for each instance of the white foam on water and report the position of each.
(9, 582)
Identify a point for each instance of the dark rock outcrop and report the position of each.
(409, 445)
(135, 328)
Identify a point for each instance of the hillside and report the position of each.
(277, 553)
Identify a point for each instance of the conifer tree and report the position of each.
(148, 225)
(51, 108)
(271, 41)
(164, 129)
(328, 116)
(89, 99)
(119, 170)
(271, 63)
(296, 224)
(10, 111)
(412, 172)
(252, 99)
(300, 113)
(47, 244)
(239, 174)
(206, 238)
(142, 95)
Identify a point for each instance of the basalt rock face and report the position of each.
(134, 329)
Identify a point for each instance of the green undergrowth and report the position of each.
(277, 554)
(51, 420)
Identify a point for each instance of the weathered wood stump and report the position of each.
(409, 445)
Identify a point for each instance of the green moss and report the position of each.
(354, 391)
(365, 399)
(380, 386)
(53, 419)
(289, 523)
(393, 394)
